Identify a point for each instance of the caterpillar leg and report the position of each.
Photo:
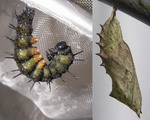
(49, 57)
(52, 51)
(51, 54)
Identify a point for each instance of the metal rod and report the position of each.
(139, 9)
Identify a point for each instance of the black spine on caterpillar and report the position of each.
(28, 58)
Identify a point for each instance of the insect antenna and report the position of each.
(12, 26)
(77, 53)
(9, 38)
(17, 75)
(72, 75)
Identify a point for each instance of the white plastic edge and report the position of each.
(70, 14)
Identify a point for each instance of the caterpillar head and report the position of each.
(62, 48)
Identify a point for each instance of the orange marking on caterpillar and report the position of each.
(41, 64)
(34, 40)
(35, 51)
(38, 58)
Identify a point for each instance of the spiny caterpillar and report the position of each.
(28, 58)
(117, 59)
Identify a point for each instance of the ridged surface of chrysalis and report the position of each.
(117, 59)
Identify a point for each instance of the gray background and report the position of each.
(137, 36)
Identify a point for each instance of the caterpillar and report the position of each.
(118, 62)
(28, 58)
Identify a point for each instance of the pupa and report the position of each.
(118, 62)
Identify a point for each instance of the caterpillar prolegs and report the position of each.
(28, 58)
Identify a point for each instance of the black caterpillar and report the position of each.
(28, 58)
